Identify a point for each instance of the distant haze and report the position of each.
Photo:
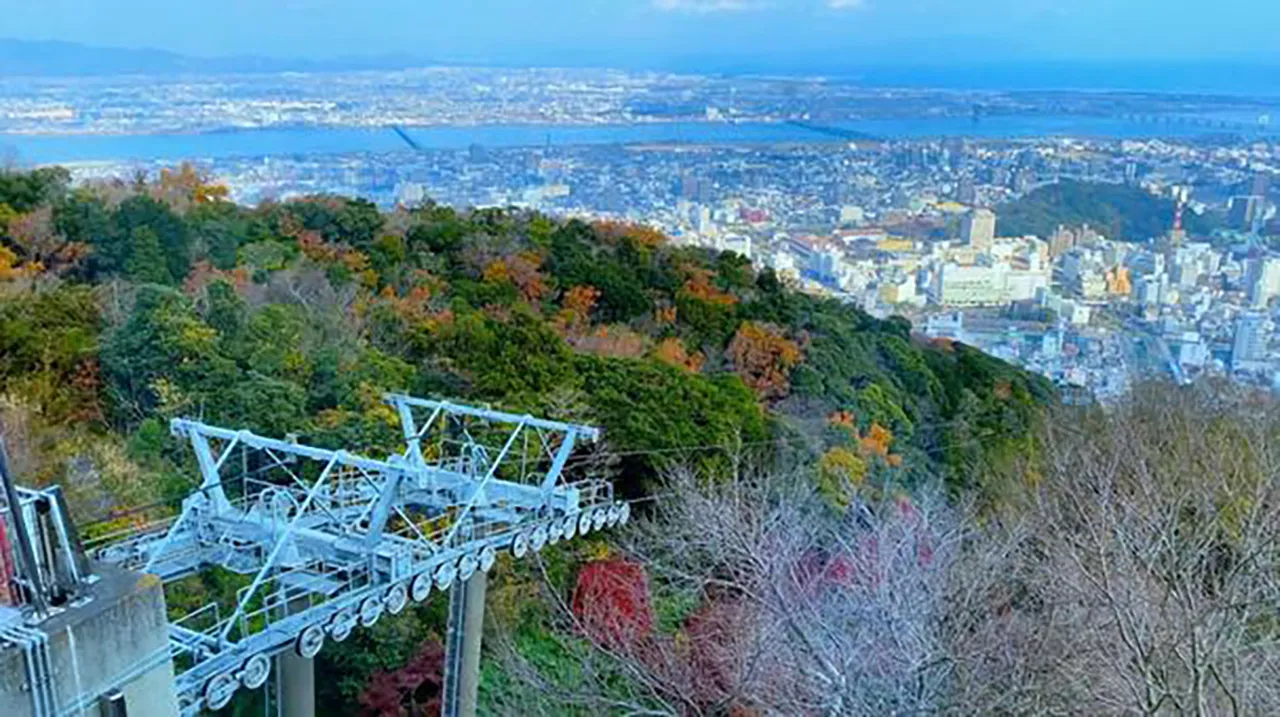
(809, 36)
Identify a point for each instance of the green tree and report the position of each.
(164, 352)
(83, 217)
(169, 228)
(27, 191)
(146, 262)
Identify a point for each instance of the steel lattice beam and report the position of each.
(332, 539)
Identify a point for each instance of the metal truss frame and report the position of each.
(333, 540)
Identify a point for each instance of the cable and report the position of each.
(801, 439)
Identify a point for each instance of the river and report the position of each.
(72, 148)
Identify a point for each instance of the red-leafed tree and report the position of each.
(411, 691)
(611, 603)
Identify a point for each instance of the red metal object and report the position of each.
(6, 567)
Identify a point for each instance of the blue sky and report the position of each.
(759, 34)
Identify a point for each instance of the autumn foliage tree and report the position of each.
(671, 351)
(645, 236)
(611, 603)
(412, 691)
(521, 270)
(763, 357)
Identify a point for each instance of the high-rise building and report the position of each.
(1264, 280)
(979, 229)
(701, 218)
(1261, 185)
(1131, 172)
(1252, 340)
(1243, 211)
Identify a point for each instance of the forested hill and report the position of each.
(1118, 211)
(122, 305)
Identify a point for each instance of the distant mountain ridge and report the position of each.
(879, 66)
(20, 58)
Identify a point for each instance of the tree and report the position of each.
(1148, 580)
(164, 353)
(840, 472)
(798, 609)
(146, 263)
(83, 219)
(49, 352)
(27, 191)
(169, 229)
(42, 247)
(764, 358)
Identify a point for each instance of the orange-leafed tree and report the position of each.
(186, 186)
(671, 351)
(577, 304)
(616, 341)
(763, 357)
(876, 444)
(698, 285)
(9, 266)
(39, 244)
(522, 270)
(614, 231)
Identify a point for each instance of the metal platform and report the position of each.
(332, 540)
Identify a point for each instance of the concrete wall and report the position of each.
(117, 640)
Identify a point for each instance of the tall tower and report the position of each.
(1178, 234)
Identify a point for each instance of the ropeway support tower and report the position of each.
(327, 540)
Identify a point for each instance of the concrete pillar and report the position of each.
(115, 642)
(462, 646)
(297, 677)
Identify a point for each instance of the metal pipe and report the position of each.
(46, 670)
(25, 553)
(28, 652)
(185, 428)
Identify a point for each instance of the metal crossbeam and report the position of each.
(328, 539)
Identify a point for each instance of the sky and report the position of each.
(756, 35)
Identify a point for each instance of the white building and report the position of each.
(986, 285)
(1075, 313)
(739, 243)
(1264, 280)
(898, 290)
(1249, 351)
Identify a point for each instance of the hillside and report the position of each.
(1118, 211)
(123, 305)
